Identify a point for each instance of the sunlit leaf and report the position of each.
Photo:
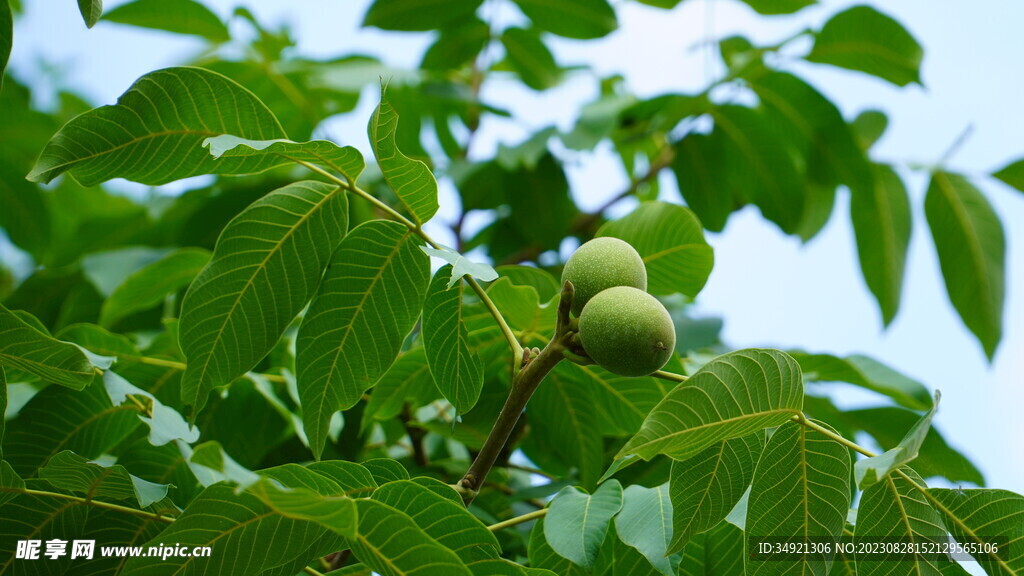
(367, 303)
(265, 268)
(868, 471)
(733, 395)
(153, 134)
(24, 347)
(410, 179)
(983, 517)
(187, 17)
(344, 160)
(863, 39)
(893, 510)
(461, 266)
(971, 245)
(581, 19)
(577, 523)
(456, 368)
(705, 488)
(670, 240)
(800, 493)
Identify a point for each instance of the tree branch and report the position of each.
(524, 383)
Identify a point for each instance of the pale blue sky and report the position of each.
(770, 289)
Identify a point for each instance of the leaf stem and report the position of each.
(518, 520)
(670, 376)
(524, 383)
(312, 571)
(174, 364)
(513, 343)
(90, 502)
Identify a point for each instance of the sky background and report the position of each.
(770, 289)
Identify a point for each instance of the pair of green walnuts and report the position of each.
(622, 328)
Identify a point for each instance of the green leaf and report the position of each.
(58, 419)
(345, 160)
(26, 217)
(6, 36)
(645, 523)
(869, 126)
(408, 379)
(971, 245)
(446, 520)
(867, 373)
(734, 395)
(457, 45)
(577, 522)
(1012, 174)
(455, 366)
(418, 15)
(706, 487)
(385, 470)
(91, 11)
(165, 423)
(367, 303)
(543, 556)
(10, 483)
(863, 39)
(893, 510)
(580, 19)
(800, 493)
(209, 460)
(152, 134)
(868, 471)
(33, 517)
(530, 58)
(410, 179)
(24, 347)
(882, 223)
(541, 280)
(622, 402)
(265, 268)
(461, 266)
(303, 494)
(617, 558)
(718, 552)
(766, 175)
(150, 285)
(702, 187)
(3, 409)
(392, 544)
(186, 17)
(983, 517)
(670, 240)
(563, 413)
(229, 522)
(772, 7)
(355, 480)
(69, 471)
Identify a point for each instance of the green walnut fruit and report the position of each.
(600, 264)
(627, 331)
